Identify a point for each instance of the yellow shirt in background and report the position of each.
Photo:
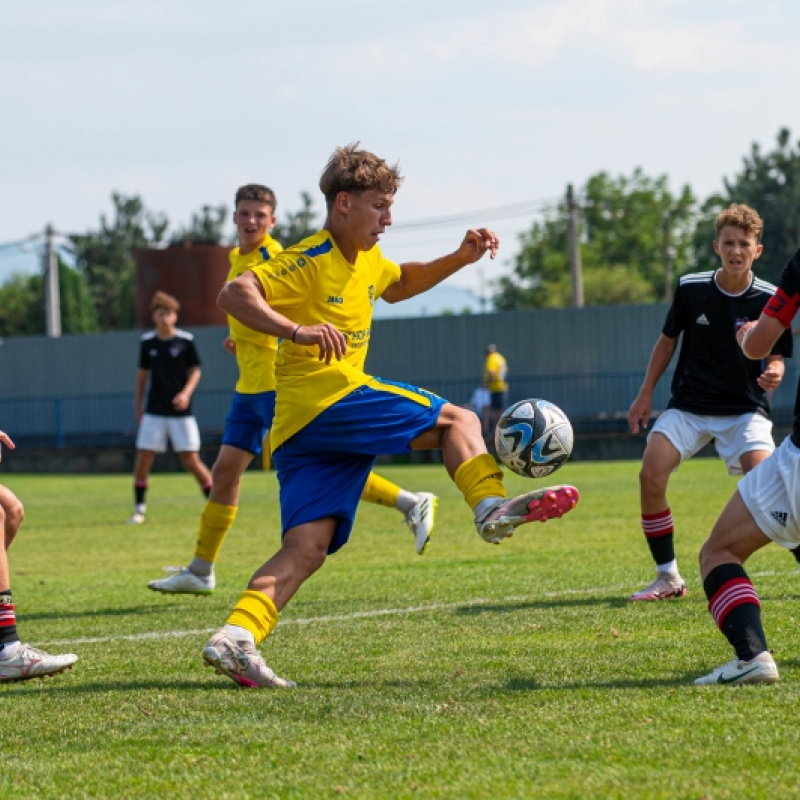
(495, 372)
(255, 352)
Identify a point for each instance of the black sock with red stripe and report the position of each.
(8, 619)
(733, 602)
(660, 533)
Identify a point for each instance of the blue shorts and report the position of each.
(323, 468)
(249, 418)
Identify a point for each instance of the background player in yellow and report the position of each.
(331, 418)
(251, 412)
(495, 379)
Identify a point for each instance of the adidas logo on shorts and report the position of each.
(780, 517)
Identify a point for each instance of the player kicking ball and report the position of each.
(250, 416)
(331, 418)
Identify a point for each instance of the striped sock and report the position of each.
(734, 605)
(659, 530)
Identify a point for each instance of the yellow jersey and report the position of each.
(495, 372)
(309, 283)
(255, 352)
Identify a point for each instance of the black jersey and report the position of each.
(713, 377)
(169, 362)
(784, 306)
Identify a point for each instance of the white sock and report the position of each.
(239, 634)
(485, 506)
(140, 508)
(9, 650)
(201, 567)
(406, 501)
(670, 566)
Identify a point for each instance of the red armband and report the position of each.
(782, 307)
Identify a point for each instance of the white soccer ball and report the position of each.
(533, 438)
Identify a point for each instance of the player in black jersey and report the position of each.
(168, 360)
(717, 394)
(764, 508)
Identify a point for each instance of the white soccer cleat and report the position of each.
(135, 519)
(242, 663)
(29, 662)
(421, 519)
(761, 669)
(666, 584)
(539, 505)
(183, 581)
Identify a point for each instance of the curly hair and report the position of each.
(352, 170)
(738, 215)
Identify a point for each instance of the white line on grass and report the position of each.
(377, 612)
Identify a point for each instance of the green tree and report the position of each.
(769, 183)
(621, 232)
(298, 225)
(105, 257)
(207, 226)
(22, 310)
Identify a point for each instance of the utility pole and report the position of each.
(574, 250)
(669, 252)
(52, 297)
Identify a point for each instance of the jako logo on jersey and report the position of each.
(264, 253)
(780, 517)
(702, 320)
(372, 295)
(740, 322)
(336, 300)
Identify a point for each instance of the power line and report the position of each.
(510, 211)
(20, 242)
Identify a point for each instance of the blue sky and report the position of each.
(485, 105)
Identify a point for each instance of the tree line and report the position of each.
(626, 225)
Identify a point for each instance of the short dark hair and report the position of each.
(255, 191)
(352, 170)
(166, 301)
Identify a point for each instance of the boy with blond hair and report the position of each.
(251, 411)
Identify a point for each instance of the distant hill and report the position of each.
(433, 303)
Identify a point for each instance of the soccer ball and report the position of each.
(533, 438)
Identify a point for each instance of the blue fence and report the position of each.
(594, 402)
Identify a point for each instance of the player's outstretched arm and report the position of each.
(6, 440)
(642, 407)
(419, 276)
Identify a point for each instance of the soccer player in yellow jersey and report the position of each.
(251, 412)
(495, 379)
(331, 418)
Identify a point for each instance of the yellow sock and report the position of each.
(215, 522)
(255, 612)
(379, 490)
(478, 478)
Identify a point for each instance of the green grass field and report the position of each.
(474, 671)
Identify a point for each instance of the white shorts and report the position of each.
(181, 431)
(771, 493)
(732, 436)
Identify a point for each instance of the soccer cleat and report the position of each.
(28, 662)
(183, 581)
(761, 669)
(135, 519)
(538, 505)
(421, 519)
(666, 584)
(242, 663)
